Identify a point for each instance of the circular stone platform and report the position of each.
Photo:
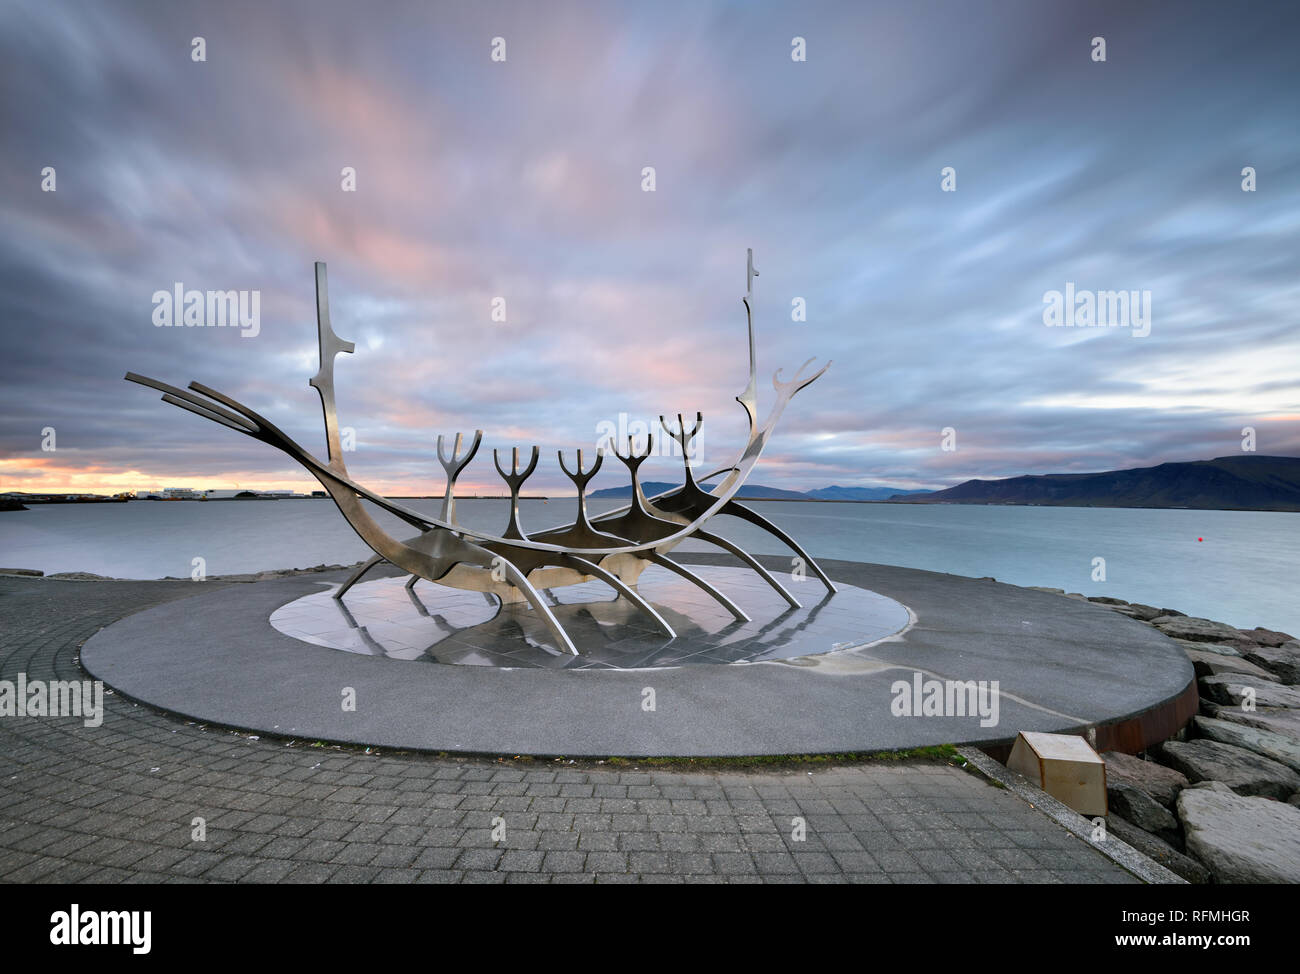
(1060, 665)
(437, 624)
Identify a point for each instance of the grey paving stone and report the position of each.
(310, 873)
(563, 862)
(607, 862)
(441, 876)
(517, 860)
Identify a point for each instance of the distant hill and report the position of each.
(761, 492)
(861, 493)
(1246, 482)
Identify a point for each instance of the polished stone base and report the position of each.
(433, 623)
(1061, 665)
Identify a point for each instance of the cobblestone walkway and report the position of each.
(118, 803)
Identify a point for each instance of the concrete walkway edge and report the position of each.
(1120, 853)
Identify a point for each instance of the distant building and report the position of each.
(182, 494)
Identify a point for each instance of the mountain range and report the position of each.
(761, 492)
(1245, 482)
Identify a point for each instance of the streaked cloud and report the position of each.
(522, 180)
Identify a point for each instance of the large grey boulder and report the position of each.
(1127, 610)
(1267, 637)
(1279, 720)
(1283, 660)
(1161, 783)
(1134, 610)
(1230, 689)
(1222, 649)
(1144, 612)
(1245, 772)
(1239, 839)
(1197, 630)
(1211, 664)
(1157, 849)
(1274, 746)
(1136, 806)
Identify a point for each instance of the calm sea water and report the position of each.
(1244, 571)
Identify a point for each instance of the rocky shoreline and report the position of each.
(1220, 802)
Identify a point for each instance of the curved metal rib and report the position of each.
(749, 560)
(519, 581)
(753, 517)
(694, 579)
(356, 576)
(621, 587)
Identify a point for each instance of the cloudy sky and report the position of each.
(522, 179)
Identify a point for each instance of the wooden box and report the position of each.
(1065, 767)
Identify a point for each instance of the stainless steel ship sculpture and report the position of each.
(613, 548)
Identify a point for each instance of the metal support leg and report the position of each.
(694, 579)
(749, 560)
(356, 576)
(539, 606)
(622, 588)
(744, 513)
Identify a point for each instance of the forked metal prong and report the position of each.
(515, 480)
(680, 434)
(632, 456)
(582, 476)
(454, 450)
(788, 389)
(457, 463)
(514, 465)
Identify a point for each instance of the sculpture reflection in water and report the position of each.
(612, 548)
(437, 624)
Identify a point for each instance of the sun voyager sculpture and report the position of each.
(613, 547)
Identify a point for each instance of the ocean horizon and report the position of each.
(1234, 566)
